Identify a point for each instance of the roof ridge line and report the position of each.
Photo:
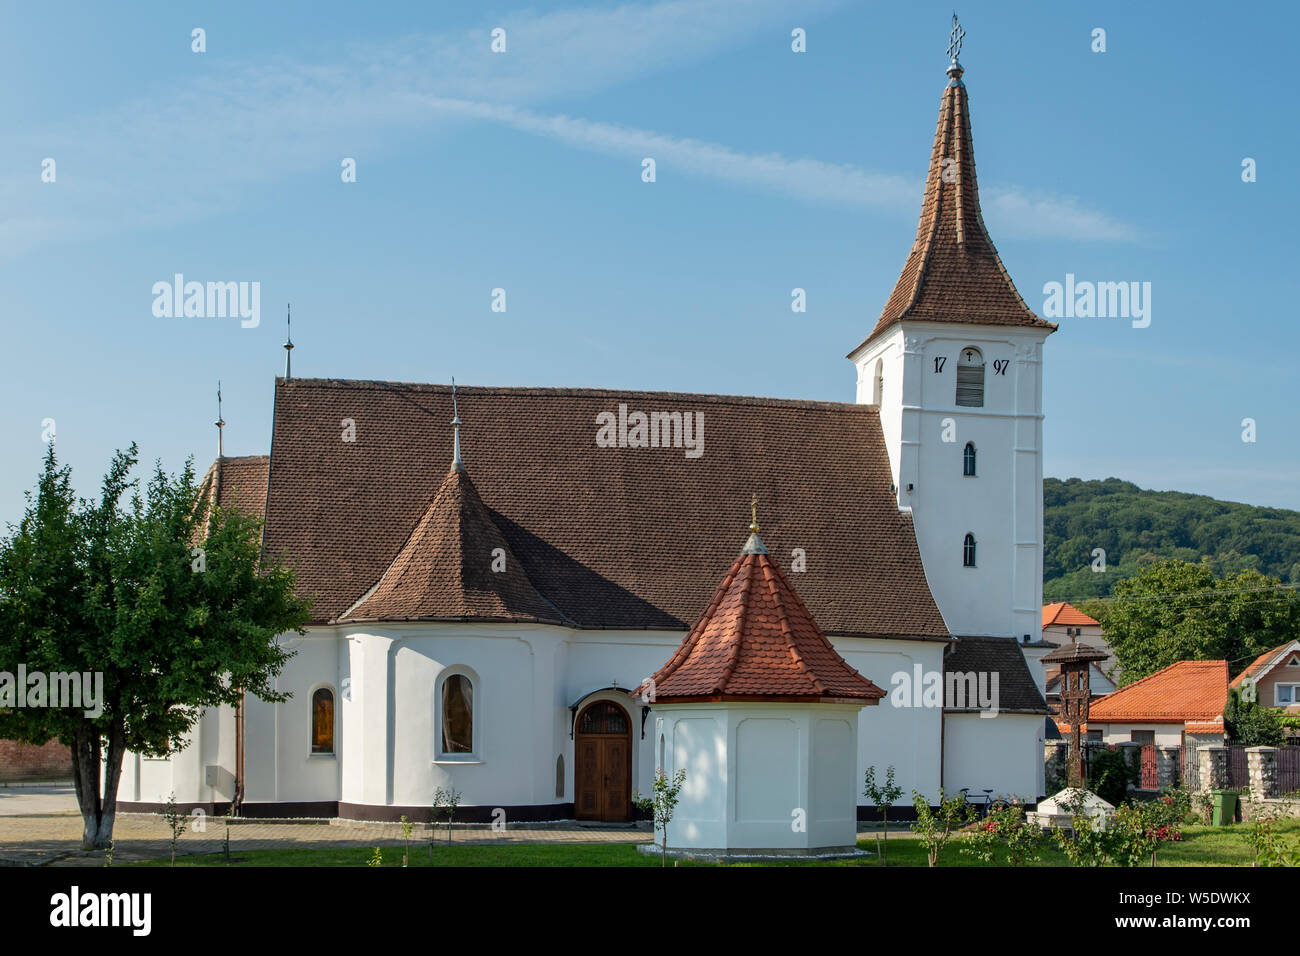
(560, 391)
(739, 629)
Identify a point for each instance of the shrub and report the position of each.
(1250, 724)
(934, 827)
(1004, 826)
(1108, 776)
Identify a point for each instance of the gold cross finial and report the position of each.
(753, 513)
(954, 39)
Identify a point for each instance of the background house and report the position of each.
(1183, 701)
(1064, 623)
(1273, 678)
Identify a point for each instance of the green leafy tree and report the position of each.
(1249, 723)
(1176, 611)
(882, 797)
(933, 828)
(111, 587)
(661, 804)
(1137, 528)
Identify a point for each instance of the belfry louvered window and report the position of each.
(968, 460)
(970, 378)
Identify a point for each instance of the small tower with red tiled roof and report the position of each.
(762, 713)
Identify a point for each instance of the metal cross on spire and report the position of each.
(954, 39)
(455, 421)
(753, 514)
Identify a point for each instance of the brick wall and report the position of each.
(25, 762)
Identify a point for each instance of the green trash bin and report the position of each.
(1224, 807)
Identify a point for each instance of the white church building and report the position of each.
(489, 595)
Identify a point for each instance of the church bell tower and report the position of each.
(954, 366)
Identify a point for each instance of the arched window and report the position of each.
(968, 460)
(970, 378)
(968, 552)
(322, 721)
(878, 383)
(457, 715)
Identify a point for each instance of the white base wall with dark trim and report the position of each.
(530, 682)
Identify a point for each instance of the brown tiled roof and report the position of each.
(455, 565)
(612, 537)
(237, 483)
(953, 272)
(757, 640)
(1017, 691)
(1194, 691)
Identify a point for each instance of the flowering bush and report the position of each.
(1131, 838)
(1005, 825)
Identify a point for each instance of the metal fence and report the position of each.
(1238, 775)
(1150, 777)
(1288, 770)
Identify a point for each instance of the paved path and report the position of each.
(40, 826)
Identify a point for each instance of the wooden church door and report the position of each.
(603, 766)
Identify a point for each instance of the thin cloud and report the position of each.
(195, 151)
(1011, 212)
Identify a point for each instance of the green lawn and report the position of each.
(1200, 846)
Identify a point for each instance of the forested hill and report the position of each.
(1136, 527)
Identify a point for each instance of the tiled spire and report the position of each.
(953, 272)
(757, 641)
(456, 565)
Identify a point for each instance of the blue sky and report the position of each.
(522, 170)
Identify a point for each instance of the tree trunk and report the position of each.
(98, 803)
(85, 777)
(112, 777)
